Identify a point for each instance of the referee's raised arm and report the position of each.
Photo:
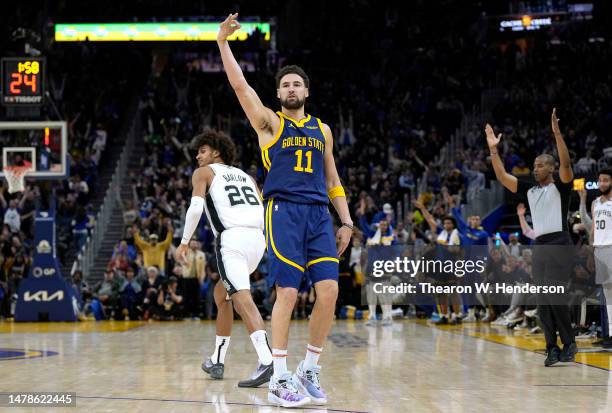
(565, 164)
(506, 179)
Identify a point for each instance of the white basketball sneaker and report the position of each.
(308, 383)
(283, 392)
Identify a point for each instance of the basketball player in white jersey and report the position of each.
(235, 211)
(601, 213)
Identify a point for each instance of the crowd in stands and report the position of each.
(94, 120)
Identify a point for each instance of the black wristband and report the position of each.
(344, 224)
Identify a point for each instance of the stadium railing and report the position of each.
(86, 256)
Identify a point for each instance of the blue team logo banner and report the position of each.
(45, 295)
(45, 260)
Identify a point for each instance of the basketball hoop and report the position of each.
(15, 176)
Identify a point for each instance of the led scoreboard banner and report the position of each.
(23, 81)
(154, 32)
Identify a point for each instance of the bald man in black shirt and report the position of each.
(552, 259)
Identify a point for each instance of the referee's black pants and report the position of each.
(552, 264)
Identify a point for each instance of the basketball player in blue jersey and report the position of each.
(301, 180)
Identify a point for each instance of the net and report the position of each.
(15, 176)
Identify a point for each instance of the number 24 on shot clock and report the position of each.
(23, 81)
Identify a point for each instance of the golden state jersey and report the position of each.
(294, 161)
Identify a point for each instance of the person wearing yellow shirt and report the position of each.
(153, 251)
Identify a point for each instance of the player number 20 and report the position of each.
(601, 224)
(298, 167)
(236, 194)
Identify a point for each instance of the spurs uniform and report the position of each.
(236, 215)
(602, 239)
(602, 243)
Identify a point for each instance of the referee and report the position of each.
(552, 258)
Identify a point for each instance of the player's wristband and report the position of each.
(349, 226)
(336, 192)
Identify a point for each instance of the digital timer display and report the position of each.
(23, 81)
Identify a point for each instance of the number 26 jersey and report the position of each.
(232, 200)
(294, 162)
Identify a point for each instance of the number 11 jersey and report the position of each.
(232, 200)
(294, 162)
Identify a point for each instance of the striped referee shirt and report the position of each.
(549, 205)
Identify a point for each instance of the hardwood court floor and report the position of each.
(410, 367)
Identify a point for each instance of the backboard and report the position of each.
(42, 144)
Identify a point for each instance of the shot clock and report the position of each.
(23, 81)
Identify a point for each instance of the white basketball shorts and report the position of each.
(239, 251)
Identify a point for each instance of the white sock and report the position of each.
(221, 345)
(279, 358)
(260, 342)
(372, 310)
(312, 356)
(386, 309)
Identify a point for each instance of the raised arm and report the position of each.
(503, 247)
(428, 217)
(565, 164)
(262, 119)
(462, 226)
(336, 192)
(140, 243)
(506, 179)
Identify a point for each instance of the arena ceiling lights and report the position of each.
(151, 32)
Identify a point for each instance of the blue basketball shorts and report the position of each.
(300, 238)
